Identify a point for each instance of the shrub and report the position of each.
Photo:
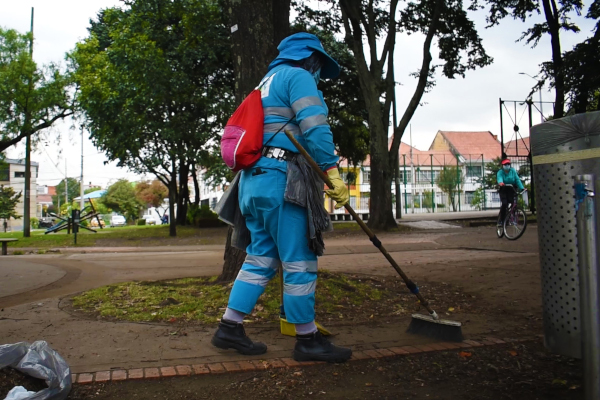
(35, 223)
(196, 214)
(141, 221)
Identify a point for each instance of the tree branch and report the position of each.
(422, 84)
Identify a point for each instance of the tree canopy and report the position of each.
(120, 196)
(73, 190)
(581, 70)
(8, 202)
(151, 193)
(370, 29)
(450, 181)
(32, 98)
(556, 19)
(156, 84)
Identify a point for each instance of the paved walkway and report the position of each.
(36, 312)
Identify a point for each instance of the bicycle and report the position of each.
(515, 222)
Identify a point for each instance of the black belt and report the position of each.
(278, 153)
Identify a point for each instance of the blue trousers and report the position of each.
(279, 236)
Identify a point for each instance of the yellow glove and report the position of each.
(339, 191)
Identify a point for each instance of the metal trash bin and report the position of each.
(562, 149)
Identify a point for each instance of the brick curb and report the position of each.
(261, 365)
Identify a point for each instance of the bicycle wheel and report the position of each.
(499, 227)
(515, 224)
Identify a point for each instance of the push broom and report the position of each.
(427, 325)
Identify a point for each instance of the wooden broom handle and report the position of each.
(410, 284)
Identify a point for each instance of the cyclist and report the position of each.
(507, 176)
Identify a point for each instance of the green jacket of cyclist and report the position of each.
(508, 176)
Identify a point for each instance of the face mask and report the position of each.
(506, 167)
(317, 76)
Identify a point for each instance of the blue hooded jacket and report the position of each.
(290, 92)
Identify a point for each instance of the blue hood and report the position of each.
(300, 46)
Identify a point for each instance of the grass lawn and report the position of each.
(123, 236)
(148, 236)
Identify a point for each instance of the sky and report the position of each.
(469, 104)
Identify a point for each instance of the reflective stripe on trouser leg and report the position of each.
(299, 264)
(251, 281)
(299, 296)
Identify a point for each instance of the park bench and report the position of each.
(5, 244)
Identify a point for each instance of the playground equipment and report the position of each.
(73, 223)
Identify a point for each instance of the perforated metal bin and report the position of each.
(562, 149)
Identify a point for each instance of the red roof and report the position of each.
(469, 145)
(44, 198)
(473, 144)
(519, 147)
(420, 157)
(52, 190)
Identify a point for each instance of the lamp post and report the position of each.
(540, 92)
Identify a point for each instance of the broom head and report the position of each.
(441, 329)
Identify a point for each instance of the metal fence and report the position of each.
(436, 187)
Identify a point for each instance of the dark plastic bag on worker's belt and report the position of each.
(38, 360)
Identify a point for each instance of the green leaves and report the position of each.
(73, 190)
(8, 202)
(156, 86)
(121, 196)
(32, 98)
(155, 80)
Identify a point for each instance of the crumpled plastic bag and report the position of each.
(39, 361)
(19, 393)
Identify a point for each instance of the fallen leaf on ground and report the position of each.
(465, 354)
(512, 353)
(560, 382)
(368, 384)
(451, 309)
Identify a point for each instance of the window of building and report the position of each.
(213, 203)
(366, 176)
(469, 197)
(19, 174)
(473, 171)
(353, 201)
(424, 176)
(408, 176)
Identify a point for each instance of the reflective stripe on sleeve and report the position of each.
(313, 121)
(307, 101)
(279, 111)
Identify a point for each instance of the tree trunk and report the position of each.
(552, 18)
(261, 25)
(234, 259)
(196, 186)
(380, 209)
(172, 201)
(184, 170)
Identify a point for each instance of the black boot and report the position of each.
(315, 347)
(232, 335)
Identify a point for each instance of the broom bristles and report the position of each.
(448, 331)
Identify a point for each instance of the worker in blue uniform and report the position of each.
(278, 228)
